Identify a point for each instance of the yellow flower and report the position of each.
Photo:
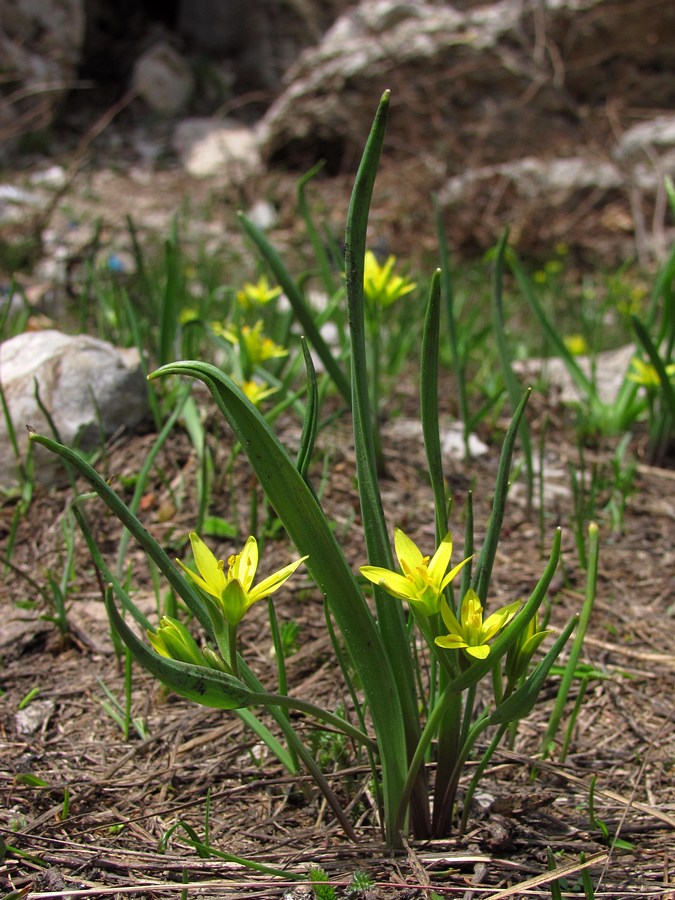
(380, 285)
(232, 586)
(256, 392)
(471, 633)
(576, 344)
(257, 294)
(423, 581)
(646, 375)
(257, 347)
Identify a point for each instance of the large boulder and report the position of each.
(90, 389)
(522, 113)
(481, 85)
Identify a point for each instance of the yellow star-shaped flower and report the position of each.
(232, 586)
(423, 578)
(470, 633)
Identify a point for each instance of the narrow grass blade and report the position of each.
(142, 478)
(666, 386)
(310, 425)
(390, 615)
(521, 702)
(513, 387)
(429, 403)
(483, 573)
(169, 306)
(575, 651)
(581, 380)
(448, 295)
(329, 282)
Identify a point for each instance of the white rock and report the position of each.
(53, 177)
(656, 134)
(263, 215)
(453, 446)
(89, 387)
(211, 147)
(33, 717)
(608, 370)
(163, 79)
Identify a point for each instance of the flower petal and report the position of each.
(441, 560)
(199, 581)
(499, 619)
(246, 563)
(208, 565)
(407, 549)
(450, 620)
(395, 584)
(270, 584)
(451, 641)
(453, 572)
(482, 651)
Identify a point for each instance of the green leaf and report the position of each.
(208, 687)
(520, 703)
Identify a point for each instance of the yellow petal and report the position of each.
(199, 581)
(395, 584)
(407, 550)
(454, 572)
(208, 566)
(268, 585)
(450, 619)
(441, 560)
(499, 619)
(451, 642)
(482, 651)
(246, 563)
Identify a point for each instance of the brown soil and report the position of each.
(125, 796)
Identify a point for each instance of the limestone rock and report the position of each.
(209, 147)
(90, 388)
(163, 79)
(482, 85)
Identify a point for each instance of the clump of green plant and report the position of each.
(398, 721)
(646, 391)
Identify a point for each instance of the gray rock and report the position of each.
(209, 147)
(163, 79)
(34, 717)
(544, 87)
(654, 135)
(608, 368)
(90, 388)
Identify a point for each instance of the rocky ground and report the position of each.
(84, 810)
(124, 797)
